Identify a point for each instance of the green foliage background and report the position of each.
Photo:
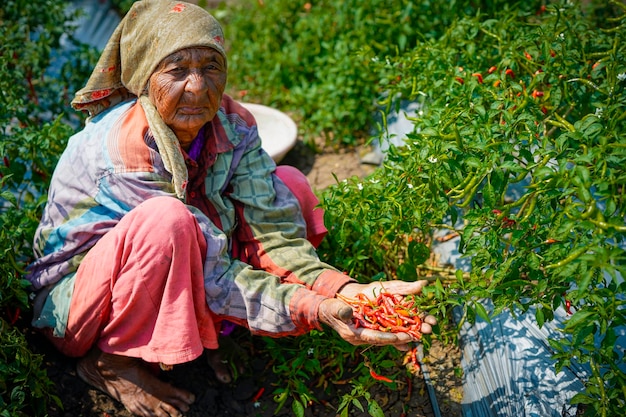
(529, 94)
(313, 59)
(531, 99)
(33, 132)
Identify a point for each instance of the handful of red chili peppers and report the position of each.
(386, 313)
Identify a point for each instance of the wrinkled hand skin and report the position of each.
(338, 315)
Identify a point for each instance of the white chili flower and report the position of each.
(621, 76)
(432, 159)
(359, 186)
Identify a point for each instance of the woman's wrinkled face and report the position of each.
(187, 89)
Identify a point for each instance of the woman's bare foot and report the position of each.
(227, 361)
(130, 381)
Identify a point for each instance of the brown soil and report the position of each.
(439, 375)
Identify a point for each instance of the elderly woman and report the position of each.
(165, 217)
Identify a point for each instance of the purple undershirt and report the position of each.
(196, 145)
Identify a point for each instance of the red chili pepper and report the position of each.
(384, 321)
(402, 312)
(536, 94)
(366, 322)
(496, 83)
(409, 387)
(416, 334)
(6, 161)
(408, 320)
(478, 76)
(13, 315)
(460, 80)
(379, 377)
(387, 313)
(507, 223)
(411, 361)
(414, 356)
(528, 56)
(388, 304)
(258, 395)
(510, 73)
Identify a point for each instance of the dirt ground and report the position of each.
(439, 378)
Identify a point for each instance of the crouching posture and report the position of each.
(165, 218)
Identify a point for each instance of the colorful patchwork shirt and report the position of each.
(260, 271)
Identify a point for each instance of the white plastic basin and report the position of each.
(278, 131)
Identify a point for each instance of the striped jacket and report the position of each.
(260, 271)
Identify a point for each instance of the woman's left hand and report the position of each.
(338, 314)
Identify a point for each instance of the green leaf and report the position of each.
(9, 197)
(407, 272)
(481, 312)
(418, 252)
(579, 318)
(298, 408)
(583, 285)
(582, 398)
(374, 409)
(489, 196)
(439, 291)
(539, 316)
(357, 404)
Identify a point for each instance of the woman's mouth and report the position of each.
(191, 110)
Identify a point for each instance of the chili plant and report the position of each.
(32, 136)
(520, 149)
(304, 364)
(303, 56)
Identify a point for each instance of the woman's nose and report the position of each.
(196, 82)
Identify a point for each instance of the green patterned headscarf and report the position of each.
(150, 31)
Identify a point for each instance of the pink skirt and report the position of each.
(127, 304)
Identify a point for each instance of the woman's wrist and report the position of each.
(349, 289)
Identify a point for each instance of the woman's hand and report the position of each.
(338, 314)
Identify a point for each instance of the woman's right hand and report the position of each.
(338, 315)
